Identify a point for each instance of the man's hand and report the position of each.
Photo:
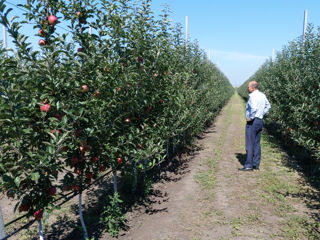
(248, 119)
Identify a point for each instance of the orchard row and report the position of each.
(85, 102)
(292, 85)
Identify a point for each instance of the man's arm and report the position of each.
(266, 107)
(252, 103)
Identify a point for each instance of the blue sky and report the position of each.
(239, 35)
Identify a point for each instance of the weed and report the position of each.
(254, 218)
(112, 215)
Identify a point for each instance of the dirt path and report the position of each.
(211, 199)
(203, 196)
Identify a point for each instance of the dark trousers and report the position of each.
(253, 148)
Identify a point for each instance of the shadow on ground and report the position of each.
(241, 158)
(298, 159)
(172, 170)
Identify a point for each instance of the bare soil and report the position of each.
(232, 208)
(202, 194)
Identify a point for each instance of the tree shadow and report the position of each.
(146, 199)
(94, 201)
(301, 161)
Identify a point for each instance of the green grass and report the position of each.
(236, 223)
(278, 183)
(277, 188)
(207, 177)
(299, 227)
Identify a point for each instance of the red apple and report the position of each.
(81, 17)
(140, 145)
(119, 160)
(55, 131)
(316, 123)
(74, 160)
(76, 188)
(52, 191)
(155, 74)
(89, 175)
(161, 101)
(84, 88)
(59, 117)
(79, 14)
(24, 207)
(53, 20)
(139, 59)
(149, 109)
(119, 89)
(94, 159)
(102, 168)
(41, 33)
(83, 149)
(38, 214)
(45, 107)
(77, 171)
(128, 120)
(96, 93)
(42, 42)
(80, 49)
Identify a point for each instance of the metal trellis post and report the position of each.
(2, 228)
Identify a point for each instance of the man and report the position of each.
(257, 107)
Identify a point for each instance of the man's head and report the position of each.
(252, 86)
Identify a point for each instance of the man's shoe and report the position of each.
(255, 168)
(245, 169)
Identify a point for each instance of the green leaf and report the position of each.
(26, 131)
(7, 178)
(17, 181)
(64, 120)
(52, 136)
(13, 18)
(50, 149)
(45, 217)
(35, 176)
(62, 138)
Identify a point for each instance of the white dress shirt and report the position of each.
(257, 105)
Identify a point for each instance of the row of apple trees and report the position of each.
(292, 84)
(109, 86)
